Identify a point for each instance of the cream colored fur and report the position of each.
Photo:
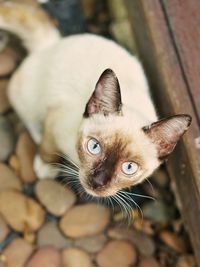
(60, 75)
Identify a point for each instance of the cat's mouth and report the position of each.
(104, 191)
(99, 193)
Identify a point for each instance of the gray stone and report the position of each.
(158, 212)
(142, 242)
(91, 244)
(49, 234)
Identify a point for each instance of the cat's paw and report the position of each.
(44, 170)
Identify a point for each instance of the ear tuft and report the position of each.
(166, 133)
(106, 98)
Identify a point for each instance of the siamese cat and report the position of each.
(86, 97)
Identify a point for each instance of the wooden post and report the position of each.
(168, 39)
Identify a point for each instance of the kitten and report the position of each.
(88, 98)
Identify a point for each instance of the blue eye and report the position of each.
(93, 146)
(129, 167)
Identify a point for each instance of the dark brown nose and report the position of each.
(103, 172)
(98, 182)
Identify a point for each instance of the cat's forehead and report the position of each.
(108, 125)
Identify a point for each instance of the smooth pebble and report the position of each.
(22, 213)
(56, 198)
(17, 253)
(8, 179)
(117, 253)
(85, 220)
(173, 241)
(25, 151)
(45, 257)
(149, 262)
(73, 257)
(142, 242)
(49, 234)
(186, 261)
(92, 244)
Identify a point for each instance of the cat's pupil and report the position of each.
(95, 146)
(129, 166)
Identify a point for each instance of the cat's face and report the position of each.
(114, 151)
(113, 155)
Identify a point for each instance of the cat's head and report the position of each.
(114, 150)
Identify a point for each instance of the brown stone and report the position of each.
(8, 59)
(15, 164)
(85, 220)
(74, 257)
(17, 253)
(4, 230)
(117, 253)
(8, 180)
(173, 241)
(186, 261)
(88, 7)
(21, 213)
(49, 234)
(161, 178)
(25, 152)
(4, 103)
(56, 198)
(45, 257)
(149, 262)
(30, 237)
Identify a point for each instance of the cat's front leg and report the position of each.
(43, 169)
(46, 159)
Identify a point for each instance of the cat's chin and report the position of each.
(99, 193)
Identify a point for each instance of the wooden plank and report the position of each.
(183, 19)
(172, 96)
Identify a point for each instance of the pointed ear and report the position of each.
(167, 132)
(106, 98)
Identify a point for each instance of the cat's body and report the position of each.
(40, 85)
(52, 90)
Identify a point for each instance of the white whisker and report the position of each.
(139, 195)
(123, 193)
